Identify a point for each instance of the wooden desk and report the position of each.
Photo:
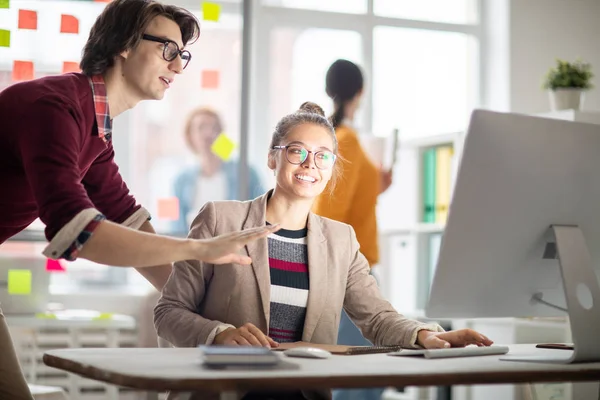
(181, 369)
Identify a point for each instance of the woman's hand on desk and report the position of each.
(458, 338)
(246, 335)
(224, 249)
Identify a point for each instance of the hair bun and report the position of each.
(312, 108)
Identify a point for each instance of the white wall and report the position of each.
(539, 32)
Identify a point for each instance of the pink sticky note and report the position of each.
(54, 266)
(70, 66)
(210, 79)
(168, 208)
(22, 71)
(69, 24)
(28, 19)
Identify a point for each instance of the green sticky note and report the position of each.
(211, 11)
(19, 281)
(4, 38)
(223, 147)
(4, 3)
(46, 315)
(103, 316)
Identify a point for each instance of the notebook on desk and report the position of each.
(341, 349)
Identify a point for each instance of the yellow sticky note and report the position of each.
(4, 38)
(19, 281)
(46, 315)
(223, 146)
(4, 3)
(211, 11)
(103, 316)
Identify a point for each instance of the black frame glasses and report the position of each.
(170, 52)
(303, 158)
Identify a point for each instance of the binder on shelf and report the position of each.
(435, 242)
(443, 178)
(429, 184)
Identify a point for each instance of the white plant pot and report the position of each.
(566, 99)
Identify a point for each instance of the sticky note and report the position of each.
(4, 38)
(4, 3)
(168, 208)
(22, 71)
(19, 281)
(28, 19)
(210, 79)
(223, 147)
(54, 266)
(70, 66)
(211, 11)
(46, 315)
(103, 316)
(69, 24)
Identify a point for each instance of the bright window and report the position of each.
(424, 82)
(344, 6)
(450, 11)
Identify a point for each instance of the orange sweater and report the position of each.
(354, 198)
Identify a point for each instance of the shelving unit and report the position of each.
(408, 250)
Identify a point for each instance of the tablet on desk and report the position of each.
(559, 346)
(221, 356)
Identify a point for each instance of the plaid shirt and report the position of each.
(101, 105)
(104, 123)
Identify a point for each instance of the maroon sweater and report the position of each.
(53, 165)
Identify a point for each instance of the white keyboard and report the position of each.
(470, 351)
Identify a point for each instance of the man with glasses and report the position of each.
(57, 160)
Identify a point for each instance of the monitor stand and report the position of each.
(582, 294)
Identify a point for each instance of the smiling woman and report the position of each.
(301, 277)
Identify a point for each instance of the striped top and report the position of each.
(288, 265)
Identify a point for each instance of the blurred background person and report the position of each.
(354, 199)
(211, 178)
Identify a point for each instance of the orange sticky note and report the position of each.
(54, 266)
(210, 79)
(69, 24)
(211, 11)
(27, 19)
(70, 66)
(4, 3)
(4, 38)
(168, 208)
(22, 71)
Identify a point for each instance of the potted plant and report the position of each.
(566, 84)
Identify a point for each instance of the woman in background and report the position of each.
(212, 179)
(354, 201)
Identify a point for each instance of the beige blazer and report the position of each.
(200, 298)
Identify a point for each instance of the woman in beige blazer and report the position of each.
(300, 278)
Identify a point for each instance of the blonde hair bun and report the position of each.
(311, 108)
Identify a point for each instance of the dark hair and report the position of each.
(344, 80)
(308, 113)
(120, 27)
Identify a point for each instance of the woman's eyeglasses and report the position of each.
(296, 154)
(170, 49)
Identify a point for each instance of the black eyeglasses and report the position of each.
(170, 49)
(296, 154)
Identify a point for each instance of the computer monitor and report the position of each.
(521, 181)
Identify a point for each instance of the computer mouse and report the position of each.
(307, 352)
